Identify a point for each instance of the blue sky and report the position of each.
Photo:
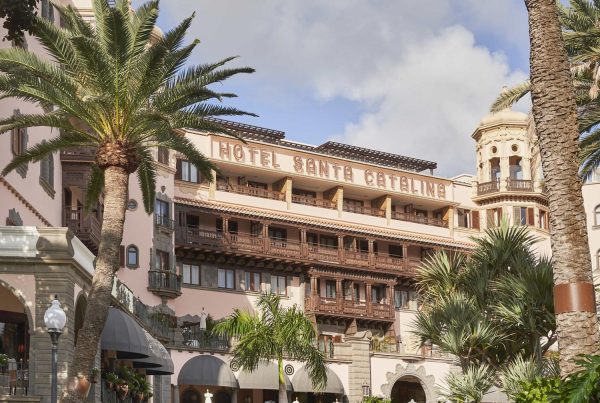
(412, 77)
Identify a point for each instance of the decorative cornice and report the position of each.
(24, 201)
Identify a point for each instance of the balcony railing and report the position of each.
(14, 378)
(87, 154)
(398, 215)
(85, 226)
(351, 307)
(291, 249)
(519, 185)
(250, 191)
(488, 187)
(195, 337)
(164, 283)
(164, 222)
(313, 201)
(374, 211)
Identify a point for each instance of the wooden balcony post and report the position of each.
(303, 244)
(341, 255)
(339, 294)
(314, 294)
(265, 236)
(371, 252)
(390, 300)
(369, 298)
(405, 256)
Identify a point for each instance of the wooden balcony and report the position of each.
(250, 191)
(85, 226)
(349, 308)
(374, 211)
(313, 201)
(164, 283)
(398, 215)
(78, 154)
(290, 249)
(519, 185)
(488, 187)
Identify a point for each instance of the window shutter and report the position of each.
(51, 169)
(530, 216)
(475, 219)
(122, 256)
(178, 173)
(516, 216)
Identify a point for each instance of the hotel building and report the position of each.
(336, 229)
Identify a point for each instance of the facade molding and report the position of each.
(29, 206)
(427, 381)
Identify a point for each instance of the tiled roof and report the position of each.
(264, 214)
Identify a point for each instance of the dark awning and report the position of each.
(265, 376)
(122, 334)
(206, 370)
(302, 383)
(159, 362)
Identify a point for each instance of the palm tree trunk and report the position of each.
(116, 180)
(555, 116)
(282, 387)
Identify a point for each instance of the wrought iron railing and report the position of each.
(164, 221)
(195, 337)
(164, 281)
(14, 378)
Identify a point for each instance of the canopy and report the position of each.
(265, 376)
(206, 370)
(302, 383)
(159, 362)
(122, 334)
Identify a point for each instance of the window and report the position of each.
(18, 141)
(47, 10)
(186, 171)
(162, 260)
(597, 215)
(356, 292)
(191, 274)
(413, 302)
(132, 256)
(232, 226)
(328, 241)
(330, 289)
(163, 155)
(396, 250)
(161, 211)
(401, 299)
(468, 218)
(47, 170)
(278, 285)
(279, 234)
(252, 281)
(598, 259)
(225, 278)
(377, 294)
(523, 216)
(304, 193)
(494, 216)
(543, 220)
(132, 205)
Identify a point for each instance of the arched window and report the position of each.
(597, 215)
(133, 256)
(598, 259)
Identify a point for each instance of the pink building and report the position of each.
(335, 229)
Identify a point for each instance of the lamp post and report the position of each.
(55, 320)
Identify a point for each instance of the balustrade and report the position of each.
(437, 222)
(519, 185)
(250, 191)
(488, 187)
(164, 283)
(313, 201)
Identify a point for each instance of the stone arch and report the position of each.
(23, 301)
(411, 370)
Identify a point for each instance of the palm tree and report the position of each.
(555, 116)
(273, 333)
(580, 22)
(490, 307)
(119, 88)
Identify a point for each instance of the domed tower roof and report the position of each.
(506, 116)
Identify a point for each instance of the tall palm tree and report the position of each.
(580, 23)
(555, 116)
(490, 307)
(275, 332)
(117, 87)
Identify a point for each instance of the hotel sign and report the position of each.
(325, 168)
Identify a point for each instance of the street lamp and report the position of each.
(55, 320)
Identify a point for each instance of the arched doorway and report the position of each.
(14, 343)
(406, 389)
(222, 397)
(190, 395)
(80, 307)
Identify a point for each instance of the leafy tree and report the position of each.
(492, 306)
(469, 386)
(120, 89)
(18, 18)
(273, 333)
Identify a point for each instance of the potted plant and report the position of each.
(144, 391)
(111, 380)
(122, 389)
(94, 375)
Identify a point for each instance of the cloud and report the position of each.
(421, 79)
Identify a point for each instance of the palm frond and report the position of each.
(511, 96)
